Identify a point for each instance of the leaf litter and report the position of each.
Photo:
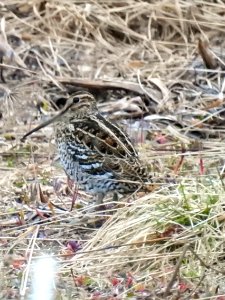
(155, 67)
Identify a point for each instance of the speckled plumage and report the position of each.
(95, 152)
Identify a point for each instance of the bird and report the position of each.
(95, 152)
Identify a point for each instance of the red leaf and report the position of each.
(129, 280)
(183, 287)
(179, 163)
(161, 139)
(73, 246)
(80, 280)
(18, 263)
(202, 169)
(115, 281)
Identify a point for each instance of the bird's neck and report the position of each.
(76, 116)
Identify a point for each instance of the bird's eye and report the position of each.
(76, 100)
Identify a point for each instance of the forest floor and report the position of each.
(155, 67)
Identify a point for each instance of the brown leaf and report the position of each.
(206, 54)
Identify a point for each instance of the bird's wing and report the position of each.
(106, 138)
(100, 146)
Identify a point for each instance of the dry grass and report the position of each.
(158, 64)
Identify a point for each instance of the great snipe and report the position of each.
(94, 151)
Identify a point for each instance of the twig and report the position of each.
(27, 271)
(103, 84)
(206, 265)
(195, 289)
(170, 284)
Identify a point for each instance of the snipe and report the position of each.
(94, 151)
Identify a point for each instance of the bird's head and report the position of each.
(78, 105)
(80, 102)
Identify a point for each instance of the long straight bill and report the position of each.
(44, 124)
